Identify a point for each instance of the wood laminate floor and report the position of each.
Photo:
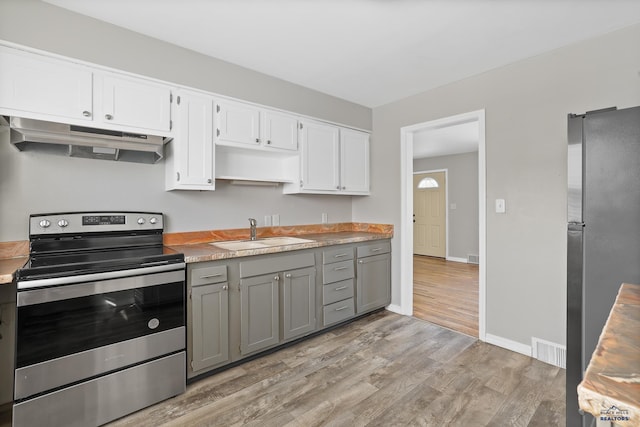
(446, 293)
(381, 370)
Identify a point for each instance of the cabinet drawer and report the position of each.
(337, 271)
(208, 275)
(337, 291)
(374, 249)
(335, 255)
(338, 311)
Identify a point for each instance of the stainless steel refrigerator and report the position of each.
(603, 246)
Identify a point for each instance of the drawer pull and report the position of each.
(360, 261)
(342, 308)
(376, 249)
(340, 255)
(341, 288)
(210, 276)
(340, 268)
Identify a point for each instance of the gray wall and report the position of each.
(526, 106)
(34, 183)
(462, 185)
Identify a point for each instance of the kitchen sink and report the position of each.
(267, 242)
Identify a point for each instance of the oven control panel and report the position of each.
(87, 222)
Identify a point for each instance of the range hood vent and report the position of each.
(81, 141)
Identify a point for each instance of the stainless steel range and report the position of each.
(100, 319)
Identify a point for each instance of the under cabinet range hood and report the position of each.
(81, 141)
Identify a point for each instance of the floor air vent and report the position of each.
(473, 259)
(549, 352)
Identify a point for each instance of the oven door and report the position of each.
(69, 333)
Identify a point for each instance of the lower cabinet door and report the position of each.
(259, 317)
(299, 315)
(373, 283)
(210, 319)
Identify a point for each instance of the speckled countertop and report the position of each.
(208, 252)
(196, 245)
(611, 384)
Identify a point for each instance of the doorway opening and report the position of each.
(408, 135)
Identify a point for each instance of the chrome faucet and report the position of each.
(252, 224)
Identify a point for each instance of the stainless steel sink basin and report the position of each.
(267, 242)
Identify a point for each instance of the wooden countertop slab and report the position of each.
(611, 384)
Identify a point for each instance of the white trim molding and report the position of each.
(508, 344)
(406, 210)
(457, 259)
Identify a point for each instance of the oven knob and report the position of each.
(63, 223)
(153, 220)
(141, 221)
(45, 223)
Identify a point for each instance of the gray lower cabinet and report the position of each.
(259, 312)
(373, 284)
(337, 284)
(299, 308)
(208, 311)
(278, 305)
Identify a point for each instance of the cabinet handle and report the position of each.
(340, 255)
(268, 141)
(177, 176)
(108, 116)
(211, 276)
(338, 187)
(360, 261)
(225, 287)
(86, 113)
(209, 181)
(344, 188)
(276, 278)
(339, 268)
(341, 288)
(342, 308)
(376, 249)
(257, 139)
(288, 275)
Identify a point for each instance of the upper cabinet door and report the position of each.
(135, 103)
(44, 88)
(354, 161)
(193, 144)
(237, 123)
(320, 156)
(279, 130)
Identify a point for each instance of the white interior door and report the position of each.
(429, 214)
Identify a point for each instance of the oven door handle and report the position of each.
(98, 283)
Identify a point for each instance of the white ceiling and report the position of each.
(370, 52)
(456, 139)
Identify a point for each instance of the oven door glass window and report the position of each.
(54, 329)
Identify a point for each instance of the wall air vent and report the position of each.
(549, 352)
(473, 259)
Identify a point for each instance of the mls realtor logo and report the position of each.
(614, 414)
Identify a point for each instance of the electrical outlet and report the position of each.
(325, 218)
(501, 206)
(267, 220)
(275, 219)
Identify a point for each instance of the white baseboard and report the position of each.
(397, 309)
(508, 344)
(456, 259)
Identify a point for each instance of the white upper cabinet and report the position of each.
(333, 160)
(237, 123)
(44, 88)
(247, 126)
(279, 130)
(190, 157)
(354, 161)
(135, 103)
(320, 151)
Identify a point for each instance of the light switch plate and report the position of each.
(325, 218)
(501, 206)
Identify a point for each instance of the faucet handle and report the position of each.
(252, 222)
